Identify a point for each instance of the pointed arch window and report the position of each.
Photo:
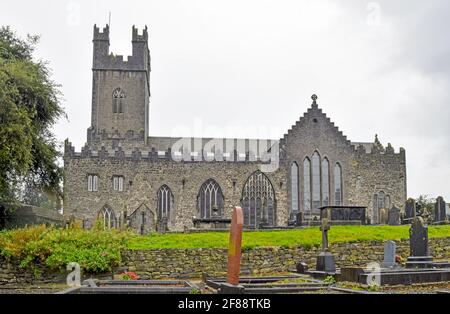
(325, 182)
(307, 186)
(315, 182)
(118, 100)
(107, 216)
(338, 185)
(210, 199)
(165, 202)
(294, 187)
(258, 201)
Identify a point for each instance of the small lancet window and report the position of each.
(118, 100)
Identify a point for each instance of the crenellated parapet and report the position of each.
(377, 149)
(138, 154)
(104, 60)
(115, 135)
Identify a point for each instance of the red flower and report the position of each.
(129, 275)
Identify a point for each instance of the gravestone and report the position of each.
(234, 255)
(439, 210)
(418, 238)
(394, 216)
(409, 209)
(325, 260)
(389, 254)
(383, 216)
(418, 244)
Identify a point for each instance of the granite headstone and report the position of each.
(439, 210)
(394, 216)
(389, 254)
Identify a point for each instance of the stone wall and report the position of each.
(185, 263)
(11, 274)
(191, 263)
(143, 179)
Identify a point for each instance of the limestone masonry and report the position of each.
(124, 176)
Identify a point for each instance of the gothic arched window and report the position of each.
(315, 181)
(107, 216)
(294, 187)
(307, 186)
(165, 202)
(258, 201)
(338, 185)
(118, 100)
(210, 199)
(325, 182)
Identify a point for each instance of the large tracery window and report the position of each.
(307, 186)
(107, 216)
(316, 182)
(210, 199)
(325, 182)
(337, 185)
(258, 201)
(165, 202)
(294, 187)
(118, 100)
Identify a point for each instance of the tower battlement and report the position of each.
(120, 89)
(105, 60)
(137, 37)
(101, 36)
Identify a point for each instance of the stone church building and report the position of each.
(125, 176)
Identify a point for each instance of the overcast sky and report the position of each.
(248, 68)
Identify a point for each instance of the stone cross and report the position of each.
(324, 228)
(234, 249)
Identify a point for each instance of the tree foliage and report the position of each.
(29, 107)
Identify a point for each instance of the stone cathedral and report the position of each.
(124, 176)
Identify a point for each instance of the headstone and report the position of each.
(325, 260)
(234, 248)
(418, 238)
(383, 216)
(439, 210)
(394, 216)
(409, 209)
(389, 254)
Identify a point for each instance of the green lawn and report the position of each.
(305, 237)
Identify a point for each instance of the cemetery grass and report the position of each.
(307, 237)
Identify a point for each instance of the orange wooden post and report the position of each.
(234, 249)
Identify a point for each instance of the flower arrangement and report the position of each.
(129, 275)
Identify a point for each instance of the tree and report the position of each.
(29, 107)
(425, 207)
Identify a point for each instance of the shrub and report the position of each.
(94, 250)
